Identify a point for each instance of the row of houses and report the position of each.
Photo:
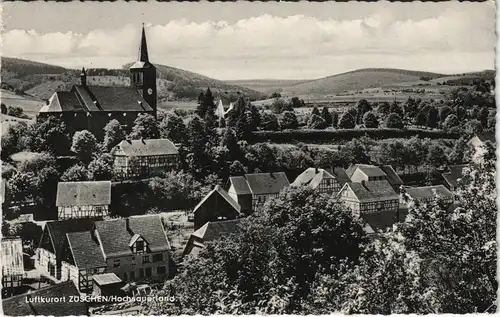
(374, 193)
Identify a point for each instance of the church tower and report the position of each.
(143, 74)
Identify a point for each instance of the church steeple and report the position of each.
(143, 48)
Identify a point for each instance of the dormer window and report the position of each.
(138, 244)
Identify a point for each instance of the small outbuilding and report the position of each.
(107, 284)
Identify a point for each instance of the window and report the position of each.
(148, 272)
(98, 210)
(158, 257)
(145, 259)
(139, 246)
(116, 263)
(161, 270)
(141, 272)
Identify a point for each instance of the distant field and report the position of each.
(266, 85)
(168, 105)
(31, 106)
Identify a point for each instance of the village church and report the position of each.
(87, 107)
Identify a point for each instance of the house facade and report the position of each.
(217, 205)
(83, 199)
(12, 263)
(252, 190)
(87, 107)
(134, 249)
(143, 158)
(427, 194)
(324, 181)
(369, 197)
(364, 172)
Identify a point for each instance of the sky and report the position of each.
(255, 40)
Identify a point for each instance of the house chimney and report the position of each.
(142, 140)
(83, 77)
(127, 226)
(316, 170)
(363, 183)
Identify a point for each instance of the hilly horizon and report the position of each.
(42, 79)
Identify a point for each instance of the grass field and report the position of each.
(31, 106)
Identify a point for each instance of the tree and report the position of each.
(84, 145)
(461, 152)
(16, 112)
(172, 127)
(316, 122)
(346, 121)
(289, 120)
(48, 135)
(243, 126)
(13, 141)
(279, 105)
(315, 111)
(254, 117)
(205, 103)
(362, 107)
(295, 102)
(113, 134)
(354, 152)
(444, 112)
(230, 141)
(432, 117)
(101, 168)
(437, 155)
(473, 127)
(145, 127)
(394, 121)
(384, 108)
(450, 122)
(237, 169)
(395, 108)
(325, 114)
(335, 119)
(198, 158)
(75, 173)
(370, 120)
(483, 117)
(269, 122)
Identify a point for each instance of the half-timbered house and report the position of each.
(12, 264)
(143, 158)
(83, 199)
(324, 181)
(252, 190)
(369, 197)
(426, 194)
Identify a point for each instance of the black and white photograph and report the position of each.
(248, 158)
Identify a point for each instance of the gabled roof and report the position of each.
(313, 176)
(266, 183)
(240, 185)
(85, 250)
(115, 237)
(19, 306)
(216, 229)
(83, 193)
(428, 192)
(369, 170)
(147, 147)
(121, 99)
(221, 192)
(455, 173)
(392, 176)
(340, 174)
(306, 176)
(57, 230)
(373, 190)
(63, 101)
(486, 136)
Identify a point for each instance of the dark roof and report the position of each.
(18, 306)
(369, 170)
(428, 192)
(83, 193)
(63, 101)
(392, 176)
(115, 237)
(117, 99)
(106, 279)
(221, 192)
(455, 173)
(373, 190)
(380, 221)
(486, 136)
(340, 174)
(306, 176)
(58, 229)
(266, 183)
(147, 147)
(240, 185)
(86, 251)
(215, 229)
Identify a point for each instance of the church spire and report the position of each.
(143, 48)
